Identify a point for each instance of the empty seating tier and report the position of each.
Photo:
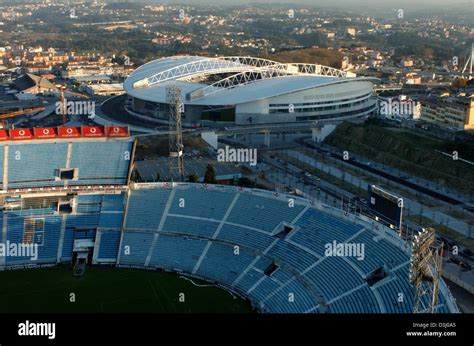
(226, 236)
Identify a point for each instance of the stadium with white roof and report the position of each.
(248, 90)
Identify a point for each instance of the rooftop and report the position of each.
(250, 79)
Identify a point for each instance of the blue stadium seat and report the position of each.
(208, 204)
(289, 254)
(98, 163)
(45, 230)
(318, 229)
(35, 163)
(243, 236)
(177, 252)
(262, 263)
(109, 244)
(333, 276)
(260, 212)
(139, 244)
(221, 264)
(189, 226)
(377, 253)
(145, 208)
(248, 280)
(292, 298)
(359, 301)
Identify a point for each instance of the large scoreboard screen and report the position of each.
(386, 206)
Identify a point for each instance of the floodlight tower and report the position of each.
(176, 160)
(425, 270)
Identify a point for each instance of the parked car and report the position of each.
(467, 253)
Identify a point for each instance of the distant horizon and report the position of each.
(330, 3)
(363, 5)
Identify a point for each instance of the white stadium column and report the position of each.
(267, 138)
(210, 137)
(316, 134)
(3, 237)
(5, 168)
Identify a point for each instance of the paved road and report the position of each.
(286, 174)
(408, 177)
(413, 207)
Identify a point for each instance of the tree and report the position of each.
(460, 83)
(210, 176)
(193, 178)
(135, 176)
(246, 182)
(427, 53)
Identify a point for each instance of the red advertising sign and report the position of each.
(117, 131)
(64, 132)
(19, 134)
(45, 132)
(4, 135)
(93, 131)
(69, 132)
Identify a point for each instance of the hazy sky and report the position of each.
(393, 3)
(467, 6)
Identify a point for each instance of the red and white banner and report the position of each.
(117, 131)
(4, 135)
(69, 132)
(64, 132)
(19, 134)
(45, 132)
(93, 131)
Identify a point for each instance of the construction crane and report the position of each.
(22, 112)
(62, 91)
(62, 100)
(73, 93)
(4, 123)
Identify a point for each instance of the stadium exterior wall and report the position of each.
(313, 95)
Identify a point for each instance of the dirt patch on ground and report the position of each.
(150, 147)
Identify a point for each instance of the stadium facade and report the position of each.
(247, 90)
(72, 198)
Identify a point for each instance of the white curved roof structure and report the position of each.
(246, 79)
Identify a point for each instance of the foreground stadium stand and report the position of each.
(251, 242)
(237, 248)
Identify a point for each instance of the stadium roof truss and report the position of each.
(242, 66)
(239, 79)
(265, 72)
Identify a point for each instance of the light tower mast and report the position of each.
(176, 160)
(469, 62)
(425, 271)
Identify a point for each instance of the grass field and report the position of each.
(110, 290)
(409, 152)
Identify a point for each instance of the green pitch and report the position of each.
(49, 290)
